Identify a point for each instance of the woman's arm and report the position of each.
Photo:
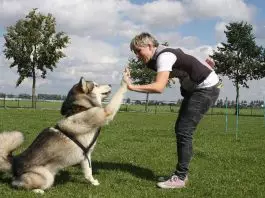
(155, 87)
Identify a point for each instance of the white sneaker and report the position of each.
(173, 182)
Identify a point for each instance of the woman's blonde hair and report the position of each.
(142, 40)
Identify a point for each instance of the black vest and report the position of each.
(190, 71)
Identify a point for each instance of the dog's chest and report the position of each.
(87, 138)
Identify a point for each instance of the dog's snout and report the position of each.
(110, 85)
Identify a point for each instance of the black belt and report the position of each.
(85, 149)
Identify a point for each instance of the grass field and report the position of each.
(136, 148)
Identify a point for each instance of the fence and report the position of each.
(134, 106)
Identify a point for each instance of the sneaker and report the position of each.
(165, 178)
(173, 182)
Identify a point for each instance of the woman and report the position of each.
(199, 87)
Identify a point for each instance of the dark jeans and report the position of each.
(193, 108)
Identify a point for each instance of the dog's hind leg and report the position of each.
(9, 141)
(87, 170)
(37, 179)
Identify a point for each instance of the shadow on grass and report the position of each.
(65, 176)
(5, 178)
(137, 171)
(62, 177)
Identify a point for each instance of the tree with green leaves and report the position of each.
(140, 74)
(240, 59)
(34, 47)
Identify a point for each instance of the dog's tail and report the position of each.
(9, 141)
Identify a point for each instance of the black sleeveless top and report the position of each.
(190, 71)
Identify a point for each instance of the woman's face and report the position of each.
(145, 53)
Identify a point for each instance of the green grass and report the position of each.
(136, 148)
(28, 104)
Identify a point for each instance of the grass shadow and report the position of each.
(137, 171)
(65, 176)
(5, 178)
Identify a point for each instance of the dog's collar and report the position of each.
(77, 109)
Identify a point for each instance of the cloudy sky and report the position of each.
(101, 30)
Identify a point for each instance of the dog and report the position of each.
(70, 142)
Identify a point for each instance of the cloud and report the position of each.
(223, 9)
(219, 31)
(176, 39)
(98, 18)
(159, 14)
(100, 32)
(82, 17)
(92, 59)
(259, 29)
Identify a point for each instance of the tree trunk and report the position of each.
(33, 104)
(146, 101)
(237, 99)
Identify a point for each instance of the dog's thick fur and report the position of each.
(52, 150)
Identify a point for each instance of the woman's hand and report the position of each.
(210, 62)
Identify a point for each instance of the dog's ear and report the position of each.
(86, 86)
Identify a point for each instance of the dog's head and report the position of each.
(84, 95)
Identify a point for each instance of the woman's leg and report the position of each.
(191, 112)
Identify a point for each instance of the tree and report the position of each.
(140, 74)
(34, 46)
(240, 59)
(220, 103)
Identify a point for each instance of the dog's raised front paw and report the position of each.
(126, 78)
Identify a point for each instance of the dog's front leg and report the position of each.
(87, 170)
(112, 108)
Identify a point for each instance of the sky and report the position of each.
(101, 30)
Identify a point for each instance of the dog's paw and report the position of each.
(126, 78)
(38, 191)
(95, 182)
(125, 81)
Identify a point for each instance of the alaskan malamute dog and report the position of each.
(70, 142)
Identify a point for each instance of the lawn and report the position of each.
(136, 148)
